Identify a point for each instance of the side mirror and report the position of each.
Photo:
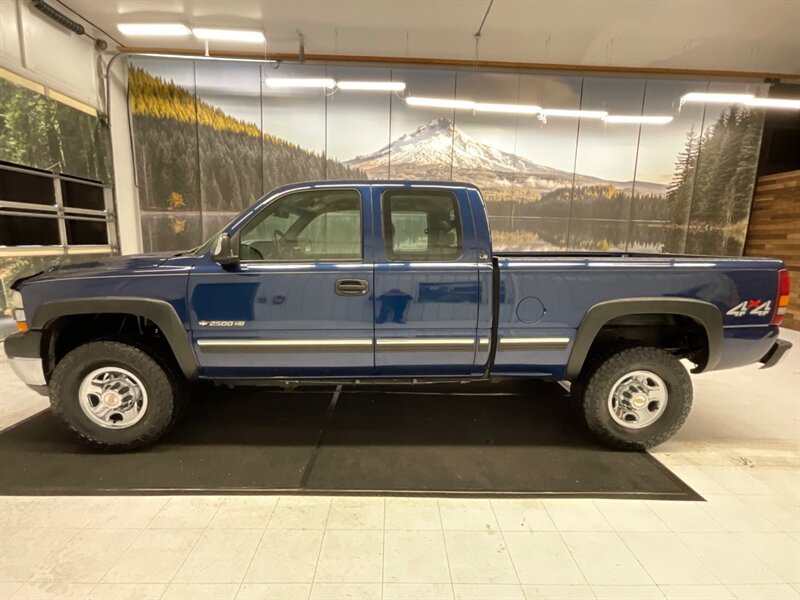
(223, 251)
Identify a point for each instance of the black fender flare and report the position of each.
(704, 313)
(159, 312)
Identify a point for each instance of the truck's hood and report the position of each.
(113, 265)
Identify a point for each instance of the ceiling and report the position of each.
(734, 35)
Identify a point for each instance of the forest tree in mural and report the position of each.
(39, 132)
(217, 164)
(712, 185)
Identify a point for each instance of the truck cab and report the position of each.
(347, 281)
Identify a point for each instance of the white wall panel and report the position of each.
(48, 53)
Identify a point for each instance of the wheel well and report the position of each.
(70, 331)
(680, 335)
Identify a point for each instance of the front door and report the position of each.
(299, 303)
(426, 282)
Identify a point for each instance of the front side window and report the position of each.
(316, 225)
(421, 225)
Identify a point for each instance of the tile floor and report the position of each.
(740, 449)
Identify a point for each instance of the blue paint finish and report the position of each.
(283, 301)
(541, 295)
(530, 310)
(427, 299)
(746, 345)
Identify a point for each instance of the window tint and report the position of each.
(318, 225)
(421, 225)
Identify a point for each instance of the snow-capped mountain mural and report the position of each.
(429, 150)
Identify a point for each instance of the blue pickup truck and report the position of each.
(360, 282)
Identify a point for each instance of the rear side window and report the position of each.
(421, 225)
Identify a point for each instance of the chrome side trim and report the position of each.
(436, 186)
(256, 266)
(29, 370)
(426, 344)
(302, 345)
(430, 265)
(534, 343)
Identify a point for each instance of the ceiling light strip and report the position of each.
(774, 103)
(716, 98)
(229, 35)
(440, 103)
(649, 119)
(580, 114)
(296, 82)
(745, 99)
(372, 86)
(154, 29)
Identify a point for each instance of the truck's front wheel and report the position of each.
(636, 398)
(114, 395)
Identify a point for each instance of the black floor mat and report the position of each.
(514, 439)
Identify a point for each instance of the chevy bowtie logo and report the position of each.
(221, 323)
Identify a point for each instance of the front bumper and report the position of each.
(24, 356)
(775, 353)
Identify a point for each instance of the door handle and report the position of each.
(351, 287)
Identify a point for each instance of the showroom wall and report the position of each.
(774, 230)
(212, 136)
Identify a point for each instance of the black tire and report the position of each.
(597, 386)
(162, 385)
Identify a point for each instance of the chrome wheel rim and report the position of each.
(113, 398)
(637, 399)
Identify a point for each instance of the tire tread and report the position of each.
(604, 374)
(162, 382)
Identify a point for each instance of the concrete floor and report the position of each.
(740, 449)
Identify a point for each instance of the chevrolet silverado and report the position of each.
(360, 282)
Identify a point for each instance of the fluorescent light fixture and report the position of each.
(440, 102)
(197, 57)
(229, 35)
(372, 86)
(524, 109)
(153, 29)
(652, 119)
(293, 82)
(519, 109)
(714, 98)
(746, 99)
(582, 114)
(774, 103)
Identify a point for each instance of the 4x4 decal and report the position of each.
(752, 307)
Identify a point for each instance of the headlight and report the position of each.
(18, 311)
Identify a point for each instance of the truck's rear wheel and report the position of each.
(114, 395)
(636, 398)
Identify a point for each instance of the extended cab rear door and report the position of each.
(426, 281)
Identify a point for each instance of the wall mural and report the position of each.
(36, 131)
(212, 137)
